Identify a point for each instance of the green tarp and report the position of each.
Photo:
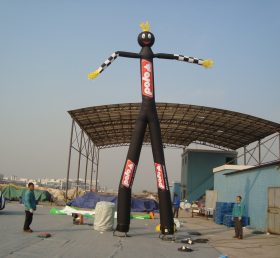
(89, 214)
(14, 193)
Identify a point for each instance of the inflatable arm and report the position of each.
(205, 63)
(110, 60)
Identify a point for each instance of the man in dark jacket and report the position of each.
(30, 207)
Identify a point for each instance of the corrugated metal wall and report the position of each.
(252, 185)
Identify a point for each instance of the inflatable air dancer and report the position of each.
(147, 116)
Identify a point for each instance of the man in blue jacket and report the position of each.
(176, 205)
(30, 207)
(237, 213)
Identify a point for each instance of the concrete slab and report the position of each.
(70, 240)
(221, 237)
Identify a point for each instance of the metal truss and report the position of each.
(88, 153)
(181, 124)
(261, 152)
(107, 126)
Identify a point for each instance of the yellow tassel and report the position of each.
(145, 26)
(208, 63)
(93, 75)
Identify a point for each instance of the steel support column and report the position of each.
(87, 154)
(96, 176)
(92, 163)
(279, 145)
(260, 161)
(69, 160)
(79, 162)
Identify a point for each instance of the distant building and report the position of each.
(60, 183)
(197, 170)
(13, 178)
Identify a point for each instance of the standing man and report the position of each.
(237, 213)
(176, 205)
(30, 207)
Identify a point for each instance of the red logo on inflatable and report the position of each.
(160, 177)
(147, 78)
(128, 173)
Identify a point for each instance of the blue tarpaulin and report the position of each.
(90, 199)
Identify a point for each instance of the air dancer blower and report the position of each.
(147, 116)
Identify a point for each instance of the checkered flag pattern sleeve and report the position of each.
(205, 63)
(189, 59)
(95, 73)
(108, 62)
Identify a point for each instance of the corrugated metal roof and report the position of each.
(181, 124)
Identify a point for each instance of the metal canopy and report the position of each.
(181, 124)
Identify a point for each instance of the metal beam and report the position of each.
(260, 157)
(92, 162)
(96, 177)
(87, 151)
(69, 160)
(79, 163)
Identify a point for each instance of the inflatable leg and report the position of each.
(124, 194)
(165, 205)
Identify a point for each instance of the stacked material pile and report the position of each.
(2, 201)
(73, 193)
(222, 209)
(58, 196)
(90, 199)
(223, 215)
(228, 221)
(15, 193)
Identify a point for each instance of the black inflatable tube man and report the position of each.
(147, 116)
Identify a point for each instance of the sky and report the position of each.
(47, 48)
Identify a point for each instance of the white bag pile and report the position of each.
(104, 216)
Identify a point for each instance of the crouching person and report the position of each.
(30, 207)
